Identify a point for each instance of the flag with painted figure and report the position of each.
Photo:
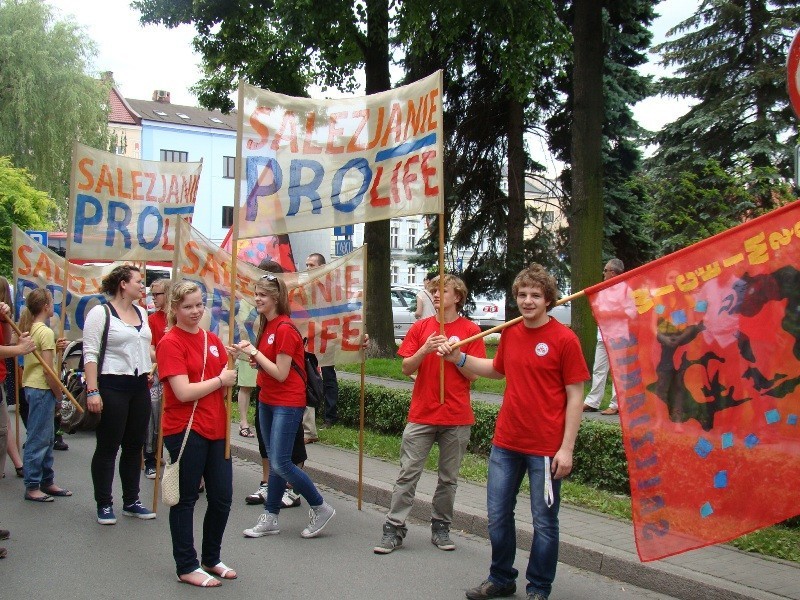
(125, 208)
(37, 266)
(311, 164)
(326, 302)
(704, 348)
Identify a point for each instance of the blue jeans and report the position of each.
(202, 458)
(37, 457)
(279, 426)
(506, 470)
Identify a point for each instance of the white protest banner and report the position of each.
(124, 208)
(311, 164)
(37, 266)
(327, 302)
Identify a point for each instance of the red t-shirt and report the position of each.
(282, 340)
(158, 326)
(425, 406)
(181, 353)
(3, 369)
(539, 363)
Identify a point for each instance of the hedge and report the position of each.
(599, 458)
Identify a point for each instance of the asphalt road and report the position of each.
(58, 551)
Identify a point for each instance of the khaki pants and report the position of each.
(414, 450)
(310, 423)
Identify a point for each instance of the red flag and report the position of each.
(272, 247)
(704, 347)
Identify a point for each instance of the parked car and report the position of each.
(404, 303)
(490, 313)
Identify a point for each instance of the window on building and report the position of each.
(394, 237)
(412, 275)
(395, 274)
(229, 167)
(227, 216)
(412, 238)
(174, 156)
(548, 217)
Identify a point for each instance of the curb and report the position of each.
(658, 576)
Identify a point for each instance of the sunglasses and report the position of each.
(269, 277)
(154, 294)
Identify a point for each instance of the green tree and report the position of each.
(285, 45)
(499, 58)
(47, 99)
(730, 59)
(20, 204)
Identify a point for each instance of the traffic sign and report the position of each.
(343, 247)
(793, 74)
(343, 230)
(38, 236)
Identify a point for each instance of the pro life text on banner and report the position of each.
(707, 372)
(327, 302)
(311, 164)
(127, 209)
(37, 266)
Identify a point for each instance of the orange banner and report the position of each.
(704, 347)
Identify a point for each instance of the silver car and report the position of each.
(404, 303)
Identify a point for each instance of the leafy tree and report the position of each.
(695, 205)
(499, 58)
(731, 60)
(20, 204)
(285, 45)
(47, 99)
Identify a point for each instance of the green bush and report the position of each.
(599, 457)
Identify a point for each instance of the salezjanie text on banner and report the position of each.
(311, 164)
(123, 208)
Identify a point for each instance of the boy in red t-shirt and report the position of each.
(538, 422)
(431, 421)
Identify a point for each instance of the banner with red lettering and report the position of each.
(276, 248)
(310, 164)
(326, 302)
(125, 208)
(37, 266)
(704, 347)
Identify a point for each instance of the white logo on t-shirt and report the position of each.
(214, 350)
(541, 349)
(271, 339)
(453, 339)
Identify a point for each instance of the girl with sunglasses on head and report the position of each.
(279, 357)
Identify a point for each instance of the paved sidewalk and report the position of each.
(589, 540)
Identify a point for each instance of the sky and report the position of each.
(156, 58)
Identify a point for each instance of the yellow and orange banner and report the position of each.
(311, 164)
(123, 208)
(704, 348)
(326, 302)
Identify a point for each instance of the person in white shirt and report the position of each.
(116, 386)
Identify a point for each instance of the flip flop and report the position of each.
(58, 492)
(20, 471)
(207, 582)
(45, 498)
(246, 432)
(221, 570)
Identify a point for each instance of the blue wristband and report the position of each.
(462, 361)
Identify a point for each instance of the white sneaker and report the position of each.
(290, 499)
(319, 517)
(267, 525)
(259, 496)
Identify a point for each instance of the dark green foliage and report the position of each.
(599, 458)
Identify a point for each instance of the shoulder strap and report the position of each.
(304, 340)
(104, 340)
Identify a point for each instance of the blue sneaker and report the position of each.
(105, 515)
(138, 510)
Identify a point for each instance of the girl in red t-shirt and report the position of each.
(193, 369)
(279, 357)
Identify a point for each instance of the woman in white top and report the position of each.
(118, 390)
